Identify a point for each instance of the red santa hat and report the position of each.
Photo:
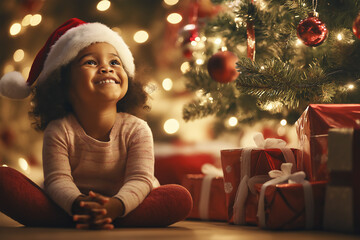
(60, 49)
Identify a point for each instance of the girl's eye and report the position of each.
(90, 62)
(115, 62)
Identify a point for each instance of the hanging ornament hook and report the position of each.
(314, 5)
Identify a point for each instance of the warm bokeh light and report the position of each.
(25, 72)
(103, 5)
(26, 20)
(199, 61)
(171, 2)
(167, 84)
(141, 36)
(185, 67)
(339, 37)
(171, 126)
(174, 18)
(218, 41)
(233, 121)
(23, 164)
(351, 86)
(283, 122)
(15, 29)
(35, 20)
(18, 55)
(9, 68)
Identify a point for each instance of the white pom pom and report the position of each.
(13, 85)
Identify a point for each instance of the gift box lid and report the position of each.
(322, 117)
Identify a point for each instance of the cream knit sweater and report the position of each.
(75, 163)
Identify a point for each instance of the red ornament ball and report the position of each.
(356, 27)
(312, 31)
(222, 67)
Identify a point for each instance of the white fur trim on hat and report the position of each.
(75, 39)
(13, 85)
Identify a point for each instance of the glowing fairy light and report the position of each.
(283, 122)
(199, 61)
(171, 2)
(171, 126)
(23, 164)
(18, 55)
(223, 49)
(218, 41)
(141, 36)
(35, 20)
(185, 67)
(351, 86)
(103, 5)
(15, 29)
(174, 18)
(167, 84)
(26, 20)
(339, 37)
(233, 121)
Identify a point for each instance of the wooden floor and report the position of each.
(189, 230)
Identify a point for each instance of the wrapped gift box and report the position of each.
(285, 206)
(261, 162)
(209, 201)
(312, 129)
(342, 209)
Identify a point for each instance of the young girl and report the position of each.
(98, 158)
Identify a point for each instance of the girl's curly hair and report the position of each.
(51, 100)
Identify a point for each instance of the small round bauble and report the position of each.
(356, 26)
(222, 67)
(312, 31)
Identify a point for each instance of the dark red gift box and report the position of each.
(285, 206)
(262, 161)
(216, 197)
(312, 129)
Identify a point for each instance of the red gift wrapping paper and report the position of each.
(171, 169)
(344, 185)
(217, 199)
(285, 205)
(312, 128)
(262, 161)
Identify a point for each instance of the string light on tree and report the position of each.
(233, 121)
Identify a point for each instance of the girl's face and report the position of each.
(97, 76)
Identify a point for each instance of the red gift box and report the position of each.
(209, 201)
(288, 201)
(312, 129)
(261, 162)
(342, 210)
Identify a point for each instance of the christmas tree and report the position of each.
(286, 53)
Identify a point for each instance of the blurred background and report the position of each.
(157, 33)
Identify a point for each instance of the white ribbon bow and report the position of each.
(210, 172)
(283, 176)
(246, 182)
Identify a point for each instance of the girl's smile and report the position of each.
(98, 76)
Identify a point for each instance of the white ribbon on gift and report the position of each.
(210, 172)
(283, 176)
(246, 182)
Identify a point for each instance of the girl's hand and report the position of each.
(90, 212)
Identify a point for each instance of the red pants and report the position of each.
(22, 200)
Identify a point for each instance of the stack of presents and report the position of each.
(316, 186)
